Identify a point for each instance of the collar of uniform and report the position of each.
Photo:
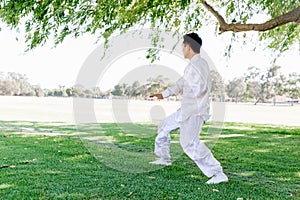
(195, 57)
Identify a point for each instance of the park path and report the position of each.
(61, 110)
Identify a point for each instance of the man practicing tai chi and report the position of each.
(194, 111)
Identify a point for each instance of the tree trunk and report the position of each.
(257, 101)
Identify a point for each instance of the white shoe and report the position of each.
(218, 178)
(161, 161)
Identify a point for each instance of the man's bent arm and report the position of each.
(174, 89)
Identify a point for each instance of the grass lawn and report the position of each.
(110, 161)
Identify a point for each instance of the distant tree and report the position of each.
(217, 87)
(119, 90)
(292, 86)
(26, 89)
(62, 91)
(69, 92)
(49, 93)
(157, 84)
(38, 91)
(128, 91)
(136, 89)
(9, 87)
(264, 85)
(17, 84)
(78, 91)
(88, 93)
(279, 84)
(252, 74)
(150, 86)
(236, 88)
(268, 83)
(58, 93)
(96, 92)
(143, 91)
(253, 90)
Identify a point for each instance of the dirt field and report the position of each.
(62, 110)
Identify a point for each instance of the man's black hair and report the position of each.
(194, 41)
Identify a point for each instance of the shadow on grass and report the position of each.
(26, 127)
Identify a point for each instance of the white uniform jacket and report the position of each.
(195, 86)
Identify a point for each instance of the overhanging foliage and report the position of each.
(44, 19)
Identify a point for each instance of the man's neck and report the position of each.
(192, 55)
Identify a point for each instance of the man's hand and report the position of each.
(158, 96)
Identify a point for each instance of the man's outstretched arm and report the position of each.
(177, 88)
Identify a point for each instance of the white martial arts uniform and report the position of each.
(195, 87)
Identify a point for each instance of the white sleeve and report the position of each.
(174, 89)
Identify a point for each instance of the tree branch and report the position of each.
(291, 16)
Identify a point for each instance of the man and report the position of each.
(194, 111)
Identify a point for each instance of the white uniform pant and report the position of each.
(189, 141)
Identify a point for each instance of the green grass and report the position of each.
(110, 161)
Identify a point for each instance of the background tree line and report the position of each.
(258, 86)
(15, 84)
(255, 86)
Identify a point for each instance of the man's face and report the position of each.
(185, 50)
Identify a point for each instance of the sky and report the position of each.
(50, 67)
